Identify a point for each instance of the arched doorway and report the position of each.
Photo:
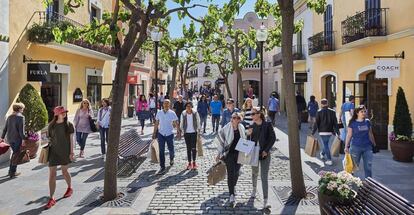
(329, 89)
(251, 87)
(378, 108)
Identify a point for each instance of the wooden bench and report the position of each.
(373, 198)
(131, 148)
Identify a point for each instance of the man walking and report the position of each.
(190, 125)
(215, 110)
(301, 105)
(273, 107)
(179, 107)
(228, 112)
(346, 112)
(163, 129)
(326, 124)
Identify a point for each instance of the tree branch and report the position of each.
(129, 5)
(160, 15)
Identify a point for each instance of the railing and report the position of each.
(252, 66)
(323, 41)
(298, 54)
(47, 21)
(369, 23)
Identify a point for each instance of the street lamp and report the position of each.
(156, 36)
(261, 36)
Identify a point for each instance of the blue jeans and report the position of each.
(366, 153)
(15, 146)
(104, 138)
(203, 121)
(170, 144)
(81, 139)
(326, 149)
(215, 118)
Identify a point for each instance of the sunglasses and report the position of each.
(255, 113)
(236, 118)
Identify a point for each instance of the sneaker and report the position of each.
(189, 166)
(265, 204)
(329, 163)
(232, 200)
(14, 175)
(50, 203)
(68, 193)
(253, 195)
(142, 132)
(171, 162)
(321, 155)
(194, 166)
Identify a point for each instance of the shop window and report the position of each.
(95, 13)
(51, 92)
(94, 91)
(132, 94)
(252, 54)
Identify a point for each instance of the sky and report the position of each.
(176, 25)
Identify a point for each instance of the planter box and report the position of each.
(402, 151)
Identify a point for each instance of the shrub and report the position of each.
(35, 112)
(402, 123)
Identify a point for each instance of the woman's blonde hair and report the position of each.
(244, 107)
(85, 100)
(18, 106)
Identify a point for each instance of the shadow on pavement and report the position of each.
(35, 211)
(5, 179)
(220, 204)
(175, 179)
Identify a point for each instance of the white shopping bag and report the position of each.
(251, 159)
(245, 146)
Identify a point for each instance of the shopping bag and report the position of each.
(349, 164)
(216, 173)
(44, 154)
(336, 146)
(154, 152)
(245, 146)
(199, 146)
(251, 159)
(4, 147)
(21, 157)
(312, 146)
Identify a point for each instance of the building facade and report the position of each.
(346, 39)
(4, 63)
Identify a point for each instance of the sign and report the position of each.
(220, 81)
(387, 68)
(77, 95)
(160, 82)
(132, 79)
(38, 71)
(301, 77)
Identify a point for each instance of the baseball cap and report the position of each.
(59, 110)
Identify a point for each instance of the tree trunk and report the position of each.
(111, 164)
(240, 98)
(226, 82)
(298, 184)
(174, 76)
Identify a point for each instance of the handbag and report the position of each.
(4, 147)
(21, 157)
(251, 158)
(312, 146)
(154, 152)
(348, 163)
(92, 124)
(216, 173)
(44, 154)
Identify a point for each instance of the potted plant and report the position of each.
(402, 143)
(36, 117)
(337, 188)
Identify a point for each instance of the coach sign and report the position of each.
(38, 71)
(387, 68)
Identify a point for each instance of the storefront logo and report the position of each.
(38, 71)
(77, 95)
(132, 79)
(387, 68)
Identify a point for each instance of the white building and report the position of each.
(4, 67)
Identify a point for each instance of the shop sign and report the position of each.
(220, 81)
(38, 71)
(301, 77)
(77, 95)
(132, 79)
(387, 68)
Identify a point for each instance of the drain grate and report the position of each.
(284, 194)
(126, 198)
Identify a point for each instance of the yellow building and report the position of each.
(63, 73)
(346, 39)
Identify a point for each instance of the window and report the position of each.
(95, 13)
(373, 13)
(328, 26)
(94, 90)
(252, 53)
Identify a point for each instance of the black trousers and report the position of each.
(233, 169)
(191, 142)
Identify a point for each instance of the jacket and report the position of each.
(265, 136)
(184, 123)
(225, 138)
(141, 106)
(202, 108)
(14, 128)
(326, 121)
(226, 118)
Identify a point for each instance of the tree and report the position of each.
(402, 123)
(35, 112)
(284, 13)
(137, 18)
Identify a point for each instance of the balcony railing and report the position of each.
(42, 32)
(369, 23)
(252, 66)
(323, 41)
(298, 54)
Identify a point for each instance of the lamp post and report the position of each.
(261, 36)
(156, 36)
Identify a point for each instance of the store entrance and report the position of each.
(250, 88)
(51, 92)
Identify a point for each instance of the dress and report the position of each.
(60, 144)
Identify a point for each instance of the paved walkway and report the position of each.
(395, 175)
(177, 192)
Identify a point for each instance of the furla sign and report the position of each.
(38, 71)
(387, 68)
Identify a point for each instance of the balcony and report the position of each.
(298, 54)
(369, 23)
(321, 42)
(253, 66)
(41, 32)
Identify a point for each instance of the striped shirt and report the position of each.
(248, 118)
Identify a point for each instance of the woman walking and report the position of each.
(228, 138)
(142, 109)
(190, 125)
(15, 134)
(152, 107)
(263, 135)
(313, 108)
(82, 124)
(60, 152)
(360, 139)
(104, 116)
(247, 113)
(202, 109)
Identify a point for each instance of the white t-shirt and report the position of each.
(190, 126)
(166, 119)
